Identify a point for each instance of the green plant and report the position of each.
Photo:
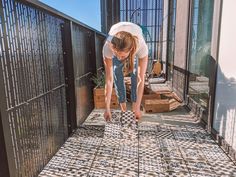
(99, 80)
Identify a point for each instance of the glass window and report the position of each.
(171, 40)
(199, 57)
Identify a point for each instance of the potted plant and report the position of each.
(99, 92)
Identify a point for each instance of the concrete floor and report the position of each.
(164, 144)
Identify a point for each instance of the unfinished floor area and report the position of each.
(163, 144)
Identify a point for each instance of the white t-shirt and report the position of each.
(142, 49)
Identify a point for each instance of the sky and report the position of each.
(86, 11)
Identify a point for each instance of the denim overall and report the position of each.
(119, 80)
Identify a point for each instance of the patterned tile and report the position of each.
(196, 167)
(212, 155)
(166, 143)
(90, 131)
(175, 166)
(150, 174)
(150, 164)
(103, 162)
(171, 153)
(184, 135)
(97, 172)
(124, 173)
(187, 144)
(106, 150)
(191, 154)
(111, 142)
(201, 174)
(128, 152)
(125, 148)
(149, 152)
(222, 168)
(113, 130)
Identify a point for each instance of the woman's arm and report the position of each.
(142, 67)
(108, 86)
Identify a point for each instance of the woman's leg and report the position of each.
(119, 82)
(134, 84)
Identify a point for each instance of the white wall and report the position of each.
(165, 30)
(181, 31)
(225, 102)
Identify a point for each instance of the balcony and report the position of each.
(48, 123)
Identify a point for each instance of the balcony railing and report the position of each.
(46, 60)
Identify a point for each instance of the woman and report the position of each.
(125, 42)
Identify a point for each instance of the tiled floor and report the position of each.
(170, 144)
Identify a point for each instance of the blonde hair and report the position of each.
(124, 42)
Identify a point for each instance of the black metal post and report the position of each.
(4, 168)
(69, 75)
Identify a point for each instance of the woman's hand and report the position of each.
(107, 115)
(137, 113)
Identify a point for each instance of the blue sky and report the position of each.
(86, 11)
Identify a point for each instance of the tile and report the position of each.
(196, 167)
(124, 173)
(166, 143)
(90, 131)
(81, 162)
(205, 174)
(164, 134)
(113, 131)
(97, 172)
(74, 172)
(147, 133)
(150, 152)
(129, 142)
(187, 144)
(125, 147)
(191, 154)
(177, 174)
(147, 127)
(106, 150)
(175, 166)
(128, 119)
(223, 168)
(214, 154)
(150, 174)
(124, 162)
(150, 164)
(148, 143)
(184, 135)
(170, 153)
(127, 152)
(103, 162)
(111, 142)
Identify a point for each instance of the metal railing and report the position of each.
(43, 56)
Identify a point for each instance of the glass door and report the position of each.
(199, 54)
(171, 40)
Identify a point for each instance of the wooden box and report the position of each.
(99, 99)
(156, 105)
(150, 97)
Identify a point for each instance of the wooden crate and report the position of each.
(173, 104)
(156, 105)
(99, 99)
(150, 97)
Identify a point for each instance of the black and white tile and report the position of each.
(125, 147)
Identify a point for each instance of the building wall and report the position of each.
(224, 120)
(110, 14)
(165, 33)
(181, 33)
